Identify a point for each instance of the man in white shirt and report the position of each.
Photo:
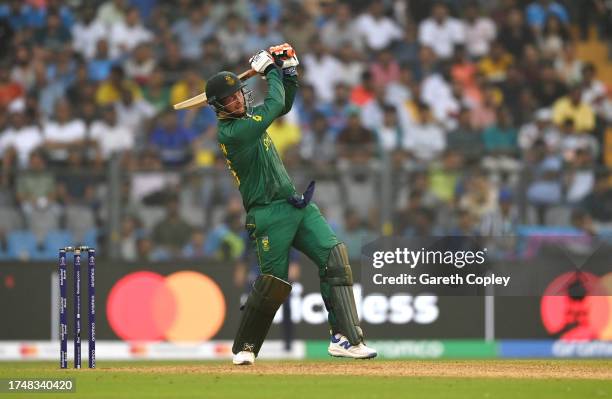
(124, 36)
(192, 31)
(337, 32)
(441, 32)
(87, 32)
(323, 71)
(425, 140)
(21, 137)
(377, 30)
(111, 136)
(133, 114)
(480, 31)
(62, 133)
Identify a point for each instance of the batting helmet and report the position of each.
(221, 85)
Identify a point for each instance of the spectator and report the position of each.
(441, 32)
(73, 186)
(599, 202)
(375, 29)
(21, 138)
(87, 32)
(540, 10)
(384, 69)
(23, 71)
(63, 133)
(351, 65)
(195, 249)
(125, 36)
(134, 114)
(568, 66)
(141, 64)
(110, 90)
(502, 221)
(172, 140)
(548, 87)
(156, 92)
(53, 36)
(480, 31)
(579, 177)
(101, 64)
(262, 38)
(297, 28)
(271, 10)
(593, 90)
(540, 129)
(356, 143)
(501, 138)
(477, 195)
(515, 34)
(112, 12)
(9, 89)
(465, 139)
(191, 31)
(231, 37)
(354, 233)
(188, 86)
(364, 92)
(553, 38)
(406, 50)
(494, 66)
(111, 137)
(172, 233)
(318, 147)
(131, 231)
(322, 70)
(426, 140)
(340, 31)
(285, 135)
(574, 108)
(36, 189)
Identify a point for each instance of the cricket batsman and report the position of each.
(277, 217)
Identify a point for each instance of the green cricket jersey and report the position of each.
(250, 153)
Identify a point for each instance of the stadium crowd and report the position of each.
(481, 113)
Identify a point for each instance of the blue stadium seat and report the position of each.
(91, 238)
(55, 240)
(22, 245)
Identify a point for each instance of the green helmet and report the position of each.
(221, 85)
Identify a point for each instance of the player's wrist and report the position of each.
(290, 71)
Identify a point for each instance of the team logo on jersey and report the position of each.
(256, 118)
(267, 141)
(265, 243)
(230, 81)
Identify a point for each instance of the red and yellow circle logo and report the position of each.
(184, 306)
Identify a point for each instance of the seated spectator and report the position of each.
(192, 30)
(126, 35)
(594, 90)
(354, 233)
(484, 114)
(515, 35)
(598, 203)
(141, 64)
(545, 189)
(494, 66)
(480, 31)
(232, 35)
(337, 112)
(385, 68)
(111, 137)
(195, 249)
(63, 133)
(110, 90)
(441, 32)
(376, 29)
(73, 186)
(87, 32)
(112, 12)
(100, 65)
(465, 139)
(172, 232)
(351, 65)
(225, 242)
(568, 66)
(355, 143)
(570, 142)
(9, 89)
(443, 176)
(364, 92)
(391, 136)
(554, 37)
(23, 72)
(262, 38)
(477, 195)
(188, 86)
(340, 30)
(21, 138)
(131, 231)
(134, 114)
(426, 140)
(406, 50)
(284, 134)
(548, 88)
(172, 141)
(541, 128)
(579, 177)
(36, 189)
(317, 146)
(322, 70)
(213, 59)
(503, 220)
(372, 111)
(297, 26)
(156, 92)
(540, 10)
(53, 36)
(574, 108)
(501, 138)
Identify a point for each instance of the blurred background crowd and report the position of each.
(415, 118)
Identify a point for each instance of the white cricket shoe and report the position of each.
(244, 358)
(339, 346)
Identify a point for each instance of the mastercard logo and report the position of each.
(583, 316)
(183, 306)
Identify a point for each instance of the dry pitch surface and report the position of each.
(334, 378)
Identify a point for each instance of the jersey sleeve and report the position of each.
(290, 84)
(262, 116)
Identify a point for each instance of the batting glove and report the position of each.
(285, 54)
(261, 62)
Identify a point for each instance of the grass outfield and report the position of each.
(336, 378)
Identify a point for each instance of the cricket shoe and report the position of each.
(339, 346)
(244, 358)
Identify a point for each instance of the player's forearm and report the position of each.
(290, 84)
(275, 99)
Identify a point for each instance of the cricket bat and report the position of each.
(200, 99)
